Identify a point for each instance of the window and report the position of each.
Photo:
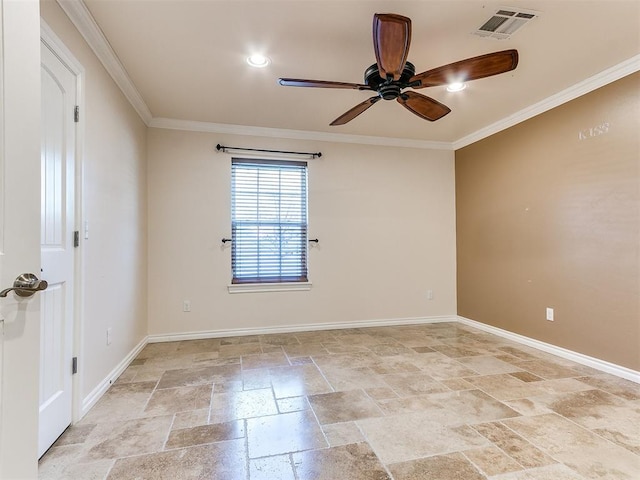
(268, 221)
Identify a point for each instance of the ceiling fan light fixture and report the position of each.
(258, 60)
(456, 86)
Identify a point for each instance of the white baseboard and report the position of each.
(91, 399)
(236, 332)
(580, 358)
(617, 370)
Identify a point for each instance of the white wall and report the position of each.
(114, 204)
(385, 218)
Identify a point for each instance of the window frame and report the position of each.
(280, 282)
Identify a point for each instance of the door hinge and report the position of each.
(76, 239)
(74, 365)
(76, 114)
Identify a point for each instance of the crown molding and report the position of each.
(193, 126)
(601, 79)
(81, 17)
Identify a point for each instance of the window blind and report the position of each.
(268, 221)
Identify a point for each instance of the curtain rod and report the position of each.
(242, 149)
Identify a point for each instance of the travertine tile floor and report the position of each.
(431, 402)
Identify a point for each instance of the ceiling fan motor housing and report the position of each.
(388, 89)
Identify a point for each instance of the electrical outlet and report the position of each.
(429, 294)
(186, 306)
(109, 336)
(550, 314)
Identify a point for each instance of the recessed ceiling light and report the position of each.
(257, 60)
(456, 86)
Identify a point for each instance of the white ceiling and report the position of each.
(187, 59)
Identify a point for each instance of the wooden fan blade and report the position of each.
(297, 82)
(423, 106)
(355, 111)
(469, 69)
(391, 40)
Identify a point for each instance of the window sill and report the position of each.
(269, 287)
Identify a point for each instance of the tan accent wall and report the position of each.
(548, 215)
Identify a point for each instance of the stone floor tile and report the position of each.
(202, 434)
(342, 433)
(204, 345)
(525, 376)
(487, 365)
(292, 404)
(390, 350)
(264, 360)
(346, 406)
(408, 384)
(237, 350)
(75, 434)
(617, 386)
(153, 350)
(117, 406)
(57, 459)
(350, 378)
(131, 437)
(305, 350)
(441, 367)
(442, 467)
(239, 340)
(400, 438)
(181, 399)
(219, 461)
(320, 336)
(550, 472)
(604, 413)
(298, 380)
(549, 370)
(228, 406)
(346, 360)
(515, 446)
(578, 448)
(471, 406)
(187, 377)
(492, 460)
(87, 471)
(190, 419)
(284, 433)
(381, 393)
(441, 400)
(279, 339)
(254, 379)
(459, 351)
(416, 403)
(278, 467)
(422, 349)
(354, 462)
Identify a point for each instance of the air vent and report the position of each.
(505, 22)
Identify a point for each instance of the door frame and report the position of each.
(60, 50)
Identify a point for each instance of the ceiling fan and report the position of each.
(392, 73)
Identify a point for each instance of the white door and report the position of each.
(56, 239)
(19, 234)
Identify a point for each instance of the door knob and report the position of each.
(26, 285)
